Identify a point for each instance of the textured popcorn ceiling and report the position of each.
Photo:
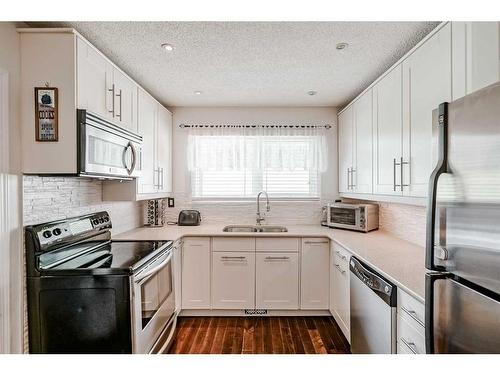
(253, 63)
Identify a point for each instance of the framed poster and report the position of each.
(46, 116)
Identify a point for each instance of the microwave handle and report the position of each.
(134, 158)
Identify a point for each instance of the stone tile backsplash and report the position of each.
(54, 198)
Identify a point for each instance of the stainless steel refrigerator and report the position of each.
(463, 227)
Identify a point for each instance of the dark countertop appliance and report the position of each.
(189, 218)
(90, 294)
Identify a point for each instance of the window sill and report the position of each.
(252, 200)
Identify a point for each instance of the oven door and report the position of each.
(347, 217)
(107, 150)
(153, 305)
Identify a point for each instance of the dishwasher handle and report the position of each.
(373, 280)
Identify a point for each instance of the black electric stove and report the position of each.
(78, 282)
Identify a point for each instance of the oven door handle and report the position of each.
(146, 274)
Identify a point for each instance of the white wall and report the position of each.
(281, 212)
(11, 258)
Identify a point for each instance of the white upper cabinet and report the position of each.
(345, 149)
(388, 132)
(426, 84)
(147, 114)
(361, 173)
(104, 89)
(476, 56)
(164, 150)
(125, 101)
(95, 81)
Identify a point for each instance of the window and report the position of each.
(232, 164)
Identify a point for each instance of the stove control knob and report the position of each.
(101, 220)
(47, 234)
(106, 219)
(56, 232)
(95, 222)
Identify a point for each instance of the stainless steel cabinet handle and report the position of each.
(277, 258)
(348, 182)
(162, 178)
(340, 269)
(410, 345)
(413, 314)
(394, 164)
(119, 115)
(314, 242)
(112, 91)
(342, 256)
(402, 163)
(233, 258)
(353, 185)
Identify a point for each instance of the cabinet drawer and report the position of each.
(233, 244)
(341, 255)
(409, 336)
(286, 244)
(413, 308)
(203, 242)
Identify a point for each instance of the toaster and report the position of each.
(189, 217)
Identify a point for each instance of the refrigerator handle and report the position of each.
(441, 167)
(429, 309)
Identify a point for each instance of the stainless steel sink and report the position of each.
(240, 228)
(255, 228)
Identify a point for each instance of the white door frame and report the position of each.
(11, 263)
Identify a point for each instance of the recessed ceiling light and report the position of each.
(197, 92)
(312, 92)
(342, 45)
(168, 47)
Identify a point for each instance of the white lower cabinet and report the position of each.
(196, 273)
(340, 288)
(233, 280)
(314, 274)
(277, 280)
(410, 324)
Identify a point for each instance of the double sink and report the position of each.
(255, 228)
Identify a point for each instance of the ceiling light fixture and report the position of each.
(312, 92)
(342, 45)
(197, 93)
(167, 47)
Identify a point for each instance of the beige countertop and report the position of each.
(402, 262)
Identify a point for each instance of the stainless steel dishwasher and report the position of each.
(373, 311)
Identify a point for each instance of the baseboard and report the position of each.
(241, 313)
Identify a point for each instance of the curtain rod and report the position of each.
(327, 126)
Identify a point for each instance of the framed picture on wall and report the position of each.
(46, 114)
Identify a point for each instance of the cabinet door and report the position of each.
(476, 56)
(94, 81)
(426, 84)
(233, 280)
(362, 174)
(164, 150)
(341, 290)
(345, 149)
(147, 108)
(387, 110)
(314, 274)
(196, 273)
(277, 281)
(125, 101)
(178, 275)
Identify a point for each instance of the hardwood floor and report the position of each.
(258, 335)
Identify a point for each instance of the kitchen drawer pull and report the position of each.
(413, 314)
(340, 269)
(112, 90)
(315, 242)
(233, 258)
(277, 258)
(410, 345)
(342, 256)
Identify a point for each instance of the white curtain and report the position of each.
(238, 148)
